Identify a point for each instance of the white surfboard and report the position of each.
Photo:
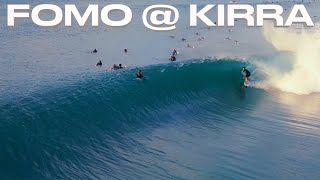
(247, 84)
(140, 79)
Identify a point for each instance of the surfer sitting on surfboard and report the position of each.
(94, 51)
(247, 74)
(172, 57)
(99, 63)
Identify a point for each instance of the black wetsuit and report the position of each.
(99, 63)
(174, 53)
(248, 74)
(139, 75)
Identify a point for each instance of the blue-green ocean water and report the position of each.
(190, 120)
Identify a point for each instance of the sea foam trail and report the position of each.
(304, 44)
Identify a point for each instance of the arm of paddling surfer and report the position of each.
(247, 74)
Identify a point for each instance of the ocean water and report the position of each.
(63, 118)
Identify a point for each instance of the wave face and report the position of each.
(187, 120)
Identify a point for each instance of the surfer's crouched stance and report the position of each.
(247, 74)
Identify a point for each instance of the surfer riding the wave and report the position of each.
(247, 74)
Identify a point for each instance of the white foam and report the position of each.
(304, 43)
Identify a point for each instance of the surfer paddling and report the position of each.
(115, 67)
(139, 74)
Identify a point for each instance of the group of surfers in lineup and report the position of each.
(139, 72)
(245, 72)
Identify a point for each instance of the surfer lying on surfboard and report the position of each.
(247, 74)
(115, 67)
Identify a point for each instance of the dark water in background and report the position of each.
(191, 120)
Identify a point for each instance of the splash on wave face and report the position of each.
(305, 47)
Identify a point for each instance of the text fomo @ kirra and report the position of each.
(159, 17)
